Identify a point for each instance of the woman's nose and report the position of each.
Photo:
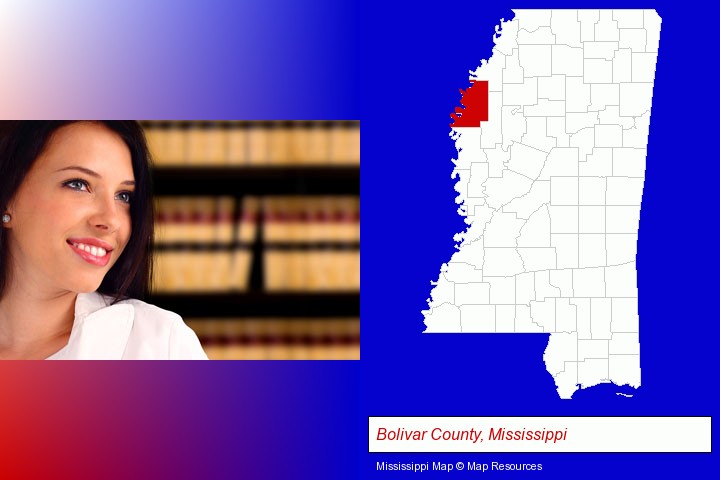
(106, 214)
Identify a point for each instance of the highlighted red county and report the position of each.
(475, 101)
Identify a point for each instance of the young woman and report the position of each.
(75, 246)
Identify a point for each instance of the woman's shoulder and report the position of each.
(152, 313)
(156, 329)
(143, 313)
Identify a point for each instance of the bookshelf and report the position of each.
(266, 216)
(254, 180)
(262, 304)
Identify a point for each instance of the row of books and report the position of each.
(279, 339)
(244, 143)
(282, 219)
(302, 244)
(311, 270)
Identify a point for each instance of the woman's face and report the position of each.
(71, 215)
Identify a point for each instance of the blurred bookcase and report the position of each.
(258, 235)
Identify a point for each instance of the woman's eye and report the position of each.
(80, 185)
(125, 197)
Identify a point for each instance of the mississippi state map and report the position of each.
(552, 141)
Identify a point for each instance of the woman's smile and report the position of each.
(92, 250)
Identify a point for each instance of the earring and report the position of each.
(6, 218)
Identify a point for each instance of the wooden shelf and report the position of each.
(273, 246)
(253, 180)
(241, 180)
(259, 304)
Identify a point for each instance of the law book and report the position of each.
(279, 338)
(280, 134)
(319, 143)
(175, 143)
(202, 222)
(298, 149)
(156, 137)
(224, 221)
(206, 143)
(258, 143)
(163, 206)
(237, 144)
(345, 143)
(353, 145)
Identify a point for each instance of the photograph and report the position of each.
(226, 240)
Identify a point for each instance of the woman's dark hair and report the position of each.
(21, 142)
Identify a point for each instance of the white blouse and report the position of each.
(128, 330)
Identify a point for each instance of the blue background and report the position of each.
(398, 69)
(409, 221)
